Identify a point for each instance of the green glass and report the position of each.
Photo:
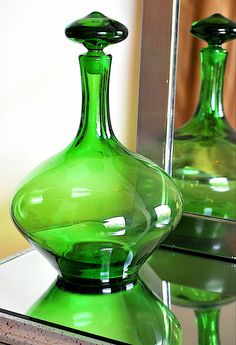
(134, 316)
(206, 305)
(95, 209)
(204, 161)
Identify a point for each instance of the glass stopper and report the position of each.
(215, 30)
(96, 31)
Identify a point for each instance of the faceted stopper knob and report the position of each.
(215, 29)
(96, 31)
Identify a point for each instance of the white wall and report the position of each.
(40, 91)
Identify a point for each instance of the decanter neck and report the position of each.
(213, 61)
(95, 119)
(208, 326)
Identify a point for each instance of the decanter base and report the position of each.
(92, 286)
(90, 277)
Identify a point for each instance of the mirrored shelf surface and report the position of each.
(31, 302)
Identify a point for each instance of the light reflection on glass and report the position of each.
(216, 246)
(37, 200)
(207, 211)
(128, 261)
(82, 319)
(78, 192)
(190, 171)
(163, 213)
(219, 184)
(105, 266)
(116, 222)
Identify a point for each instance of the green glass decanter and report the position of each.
(204, 161)
(95, 209)
(206, 305)
(134, 316)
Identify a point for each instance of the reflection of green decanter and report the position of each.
(204, 163)
(133, 316)
(97, 210)
(206, 305)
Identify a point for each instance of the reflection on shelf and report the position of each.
(200, 284)
(206, 305)
(134, 316)
(202, 234)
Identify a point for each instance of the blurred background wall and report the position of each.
(188, 70)
(40, 88)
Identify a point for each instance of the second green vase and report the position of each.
(204, 163)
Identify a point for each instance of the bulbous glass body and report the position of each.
(96, 210)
